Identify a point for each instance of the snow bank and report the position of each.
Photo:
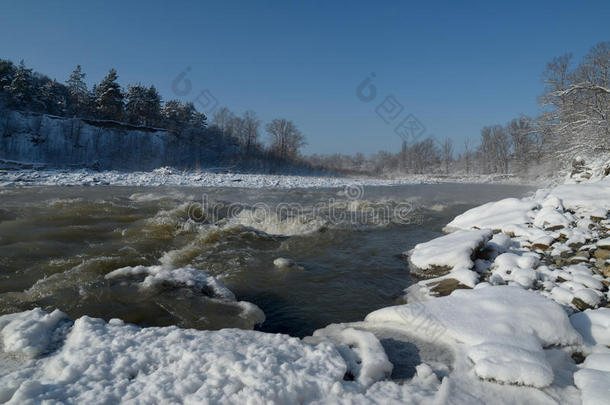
(162, 365)
(584, 195)
(455, 250)
(113, 362)
(505, 329)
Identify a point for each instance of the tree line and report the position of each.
(575, 121)
(141, 105)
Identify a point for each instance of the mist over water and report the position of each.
(57, 244)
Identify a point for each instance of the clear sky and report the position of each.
(456, 66)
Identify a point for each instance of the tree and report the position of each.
(467, 154)
(222, 118)
(20, 89)
(286, 139)
(447, 153)
(109, 98)
(54, 97)
(7, 72)
(577, 119)
(143, 105)
(79, 97)
(521, 134)
(247, 130)
(152, 112)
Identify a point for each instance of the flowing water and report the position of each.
(57, 244)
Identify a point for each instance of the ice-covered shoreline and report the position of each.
(514, 312)
(29, 175)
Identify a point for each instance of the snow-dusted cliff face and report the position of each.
(64, 142)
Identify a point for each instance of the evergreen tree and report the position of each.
(143, 106)
(153, 107)
(109, 98)
(53, 96)
(20, 89)
(79, 98)
(136, 104)
(7, 72)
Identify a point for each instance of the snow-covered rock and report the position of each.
(440, 255)
(494, 215)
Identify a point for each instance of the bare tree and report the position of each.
(286, 139)
(222, 119)
(467, 154)
(447, 153)
(521, 134)
(251, 125)
(578, 120)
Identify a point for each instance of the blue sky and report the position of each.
(454, 66)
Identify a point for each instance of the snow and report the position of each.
(593, 325)
(604, 243)
(160, 365)
(595, 386)
(162, 276)
(196, 178)
(584, 195)
(29, 333)
(366, 358)
(99, 362)
(503, 312)
(450, 251)
(494, 215)
(189, 277)
(549, 217)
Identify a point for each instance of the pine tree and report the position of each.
(54, 97)
(136, 104)
(109, 98)
(79, 98)
(7, 72)
(20, 89)
(143, 106)
(153, 107)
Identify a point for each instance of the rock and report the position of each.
(580, 304)
(539, 245)
(580, 257)
(445, 287)
(603, 254)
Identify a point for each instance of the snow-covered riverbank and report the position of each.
(18, 175)
(528, 324)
